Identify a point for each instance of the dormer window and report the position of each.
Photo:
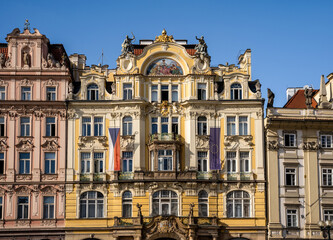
(92, 92)
(236, 91)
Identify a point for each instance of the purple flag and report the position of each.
(214, 149)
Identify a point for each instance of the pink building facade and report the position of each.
(34, 82)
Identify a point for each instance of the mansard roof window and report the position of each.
(92, 92)
(236, 91)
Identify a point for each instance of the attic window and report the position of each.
(236, 91)
(92, 90)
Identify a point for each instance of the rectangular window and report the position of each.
(22, 207)
(1, 207)
(48, 208)
(50, 127)
(244, 162)
(25, 93)
(231, 126)
(174, 127)
(86, 126)
(165, 93)
(290, 140)
(328, 215)
(127, 161)
(25, 126)
(292, 218)
(165, 160)
(165, 124)
(154, 125)
(98, 126)
(327, 174)
(243, 126)
(50, 93)
(2, 126)
(326, 141)
(50, 163)
(2, 93)
(127, 94)
(85, 162)
(202, 162)
(2, 163)
(290, 177)
(231, 162)
(99, 162)
(24, 163)
(201, 91)
(174, 93)
(154, 93)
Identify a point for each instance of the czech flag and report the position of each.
(114, 149)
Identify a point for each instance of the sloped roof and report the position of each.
(138, 49)
(298, 100)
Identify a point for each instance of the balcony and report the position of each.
(242, 176)
(204, 175)
(126, 175)
(163, 137)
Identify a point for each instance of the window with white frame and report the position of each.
(242, 125)
(98, 162)
(165, 124)
(85, 162)
(236, 91)
(202, 91)
(24, 163)
(25, 93)
(86, 126)
(25, 126)
(290, 174)
(2, 126)
(327, 176)
(164, 93)
(51, 93)
(98, 126)
(174, 93)
(50, 126)
(202, 161)
(22, 207)
(50, 162)
(1, 207)
(244, 162)
(127, 161)
(154, 125)
(154, 93)
(326, 141)
(231, 162)
(92, 92)
(165, 203)
(238, 204)
(2, 93)
(202, 125)
(127, 91)
(165, 158)
(174, 126)
(231, 126)
(91, 205)
(328, 214)
(48, 207)
(127, 126)
(2, 163)
(290, 140)
(292, 218)
(203, 203)
(127, 204)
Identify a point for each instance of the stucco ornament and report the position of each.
(311, 146)
(164, 37)
(273, 145)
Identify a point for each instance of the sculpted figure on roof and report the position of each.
(201, 47)
(270, 96)
(127, 45)
(308, 97)
(164, 37)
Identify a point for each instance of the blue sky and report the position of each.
(291, 41)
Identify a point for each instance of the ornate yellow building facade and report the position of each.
(165, 146)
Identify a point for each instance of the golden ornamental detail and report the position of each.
(164, 37)
(165, 108)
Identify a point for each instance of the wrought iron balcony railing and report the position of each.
(164, 137)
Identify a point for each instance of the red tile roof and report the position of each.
(190, 51)
(138, 51)
(298, 100)
(4, 50)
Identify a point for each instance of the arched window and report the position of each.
(127, 126)
(165, 203)
(92, 92)
(238, 204)
(127, 204)
(203, 203)
(236, 91)
(202, 126)
(91, 205)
